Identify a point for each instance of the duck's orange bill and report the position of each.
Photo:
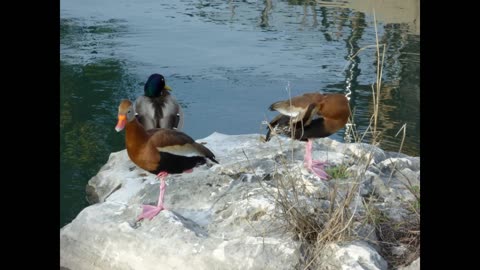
(122, 120)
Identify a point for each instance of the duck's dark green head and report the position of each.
(155, 85)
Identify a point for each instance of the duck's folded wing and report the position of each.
(297, 114)
(172, 114)
(145, 112)
(300, 108)
(179, 143)
(179, 119)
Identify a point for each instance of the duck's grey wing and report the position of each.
(172, 114)
(145, 112)
(180, 118)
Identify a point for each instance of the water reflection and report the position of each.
(358, 25)
(264, 15)
(232, 7)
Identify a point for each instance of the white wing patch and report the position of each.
(288, 111)
(186, 150)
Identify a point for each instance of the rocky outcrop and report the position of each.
(225, 216)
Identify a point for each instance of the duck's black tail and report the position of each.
(279, 121)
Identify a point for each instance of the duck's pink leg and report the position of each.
(316, 166)
(150, 211)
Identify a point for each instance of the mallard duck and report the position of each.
(157, 108)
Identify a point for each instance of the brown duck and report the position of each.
(159, 151)
(332, 111)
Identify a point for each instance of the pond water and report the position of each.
(226, 62)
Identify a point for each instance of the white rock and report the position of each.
(357, 255)
(222, 216)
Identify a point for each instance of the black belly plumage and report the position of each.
(175, 164)
(316, 129)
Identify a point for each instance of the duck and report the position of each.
(309, 116)
(157, 108)
(160, 151)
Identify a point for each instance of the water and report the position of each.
(227, 61)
